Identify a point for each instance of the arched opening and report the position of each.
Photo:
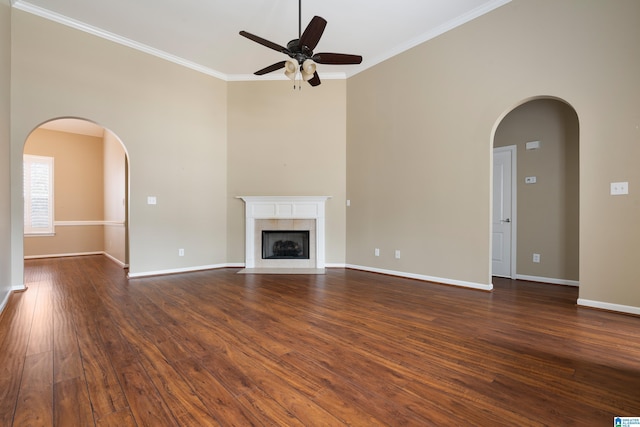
(543, 134)
(82, 208)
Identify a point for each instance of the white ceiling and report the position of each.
(203, 34)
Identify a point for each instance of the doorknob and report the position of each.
(505, 220)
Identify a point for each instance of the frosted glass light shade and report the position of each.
(291, 68)
(308, 66)
(308, 69)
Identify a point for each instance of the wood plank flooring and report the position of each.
(84, 346)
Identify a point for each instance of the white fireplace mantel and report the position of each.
(284, 207)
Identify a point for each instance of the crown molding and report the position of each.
(424, 37)
(64, 20)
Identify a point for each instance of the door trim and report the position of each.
(513, 149)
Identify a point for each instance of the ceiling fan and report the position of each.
(300, 52)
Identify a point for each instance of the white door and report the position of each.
(503, 219)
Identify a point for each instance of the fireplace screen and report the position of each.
(285, 244)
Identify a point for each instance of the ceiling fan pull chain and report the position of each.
(297, 79)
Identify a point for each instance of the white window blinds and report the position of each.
(38, 194)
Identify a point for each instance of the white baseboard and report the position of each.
(63, 255)
(547, 280)
(334, 265)
(4, 302)
(111, 257)
(177, 270)
(441, 280)
(204, 267)
(609, 306)
(116, 260)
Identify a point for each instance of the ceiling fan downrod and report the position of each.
(299, 19)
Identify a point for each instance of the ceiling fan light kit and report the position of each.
(291, 68)
(308, 66)
(302, 60)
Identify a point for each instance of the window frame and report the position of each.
(29, 230)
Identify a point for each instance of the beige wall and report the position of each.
(78, 192)
(171, 120)
(417, 167)
(68, 240)
(547, 211)
(287, 143)
(420, 131)
(115, 198)
(5, 165)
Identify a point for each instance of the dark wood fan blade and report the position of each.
(270, 68)
(264, 42)
(315, 80)
(313, 32)
(336, 58)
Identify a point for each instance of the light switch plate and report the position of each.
(619, 188)
(151, 200)
(530, 180)
(532, 145)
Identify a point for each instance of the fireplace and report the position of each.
(285, 244)
(296, 224)
(288, 233)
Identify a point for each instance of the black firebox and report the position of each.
(285, 244)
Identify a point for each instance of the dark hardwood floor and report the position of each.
(84, 346)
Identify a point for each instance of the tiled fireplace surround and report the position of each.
(284, 213)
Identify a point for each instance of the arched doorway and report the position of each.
(87, 196)
(544, 135)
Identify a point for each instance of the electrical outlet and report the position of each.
(536, 258)
(619, 188)
(397, 254)
(180, 252)
(376, 252)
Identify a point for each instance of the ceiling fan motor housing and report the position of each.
(300, 53)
